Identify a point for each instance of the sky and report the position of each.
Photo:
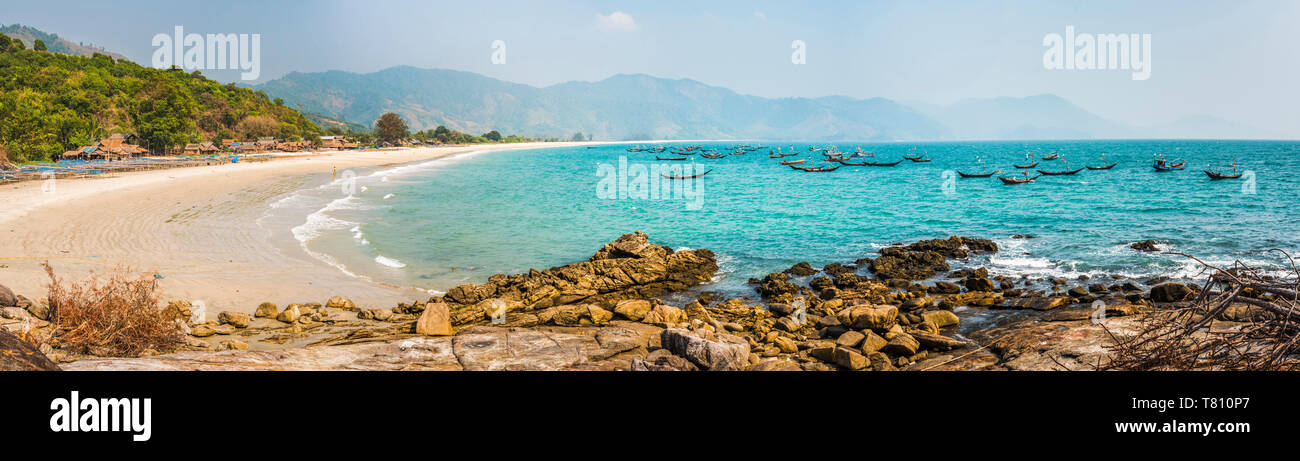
(1236, 60)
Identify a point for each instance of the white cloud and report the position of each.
(617, 21)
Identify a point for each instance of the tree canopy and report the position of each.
(391, 128)
(52, 102)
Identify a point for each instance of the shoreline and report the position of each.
(197, 227)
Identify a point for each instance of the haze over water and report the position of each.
(460, 220)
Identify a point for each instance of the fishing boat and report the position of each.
(919, 160)
(673, 176)
(1162, 165)
(848, 163)
(713, 155)
(1052, 156)
(984, 173)
(816, 169)
(883, 163)
(1060, 173)
(792, 162)
(670, 158)
(1026, 179)
(1217, 175)
(1103, 167)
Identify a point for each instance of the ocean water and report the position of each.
(459, 220)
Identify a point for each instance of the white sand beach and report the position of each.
(195, 226)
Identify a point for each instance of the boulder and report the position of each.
(435, 320)
(849, 358)
(1145, 246)
(871, 342)
(629, 268)
(802, 269)
(339, 302)
(267, 311)
(723, 352)
(902, 344)
(1170, 292)
(232, 345)
(897, 263)
(776, 284)
(941, 318)
(375, 314)
(850, 339)
(202, 331)
(979, 284)
(1036, 303)
(934, 341)
(289, 314)
(664, 315)
(947, 288)
(786, 345)
(235, 319)
(633, 309)
(7, 297)
(875, 317)
(19, 355)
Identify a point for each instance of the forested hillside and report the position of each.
(51, 103)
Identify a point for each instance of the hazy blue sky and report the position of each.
(1238, 60)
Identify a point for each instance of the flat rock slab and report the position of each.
(19, 355)
(477, 348)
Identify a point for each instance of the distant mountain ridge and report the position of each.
(646, 107)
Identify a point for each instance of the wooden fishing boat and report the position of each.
(792, 154)
(672, 176)
(1107, 167)
(1060, 173)
(848, 163)
(1214, 175)
(816, 169)
(1052, 157)
(670, 158)
(919, 160)
(1026, 179)
(713, 155)
(978, 175)
(1026, 167)
(918, 157)
(1162, 166)
(792, 162)
(883, 163)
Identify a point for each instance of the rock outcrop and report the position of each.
(628, 268)
(19, 355)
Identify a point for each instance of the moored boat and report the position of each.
(1026, 179)
(1060, 173)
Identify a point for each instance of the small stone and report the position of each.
(375, 314)
(339, 302)
(202, 331)
(266, 311)
(232, 345)
(236, 319)
(290, 314)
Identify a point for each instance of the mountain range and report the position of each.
(646, 107)
(29, 35)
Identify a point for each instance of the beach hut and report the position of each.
(203, 148)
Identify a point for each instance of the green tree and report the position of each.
(578, 137)
(38, 45)
(391, 128)
(493, 136)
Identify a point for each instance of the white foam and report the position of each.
(386, 197)
(390, 262)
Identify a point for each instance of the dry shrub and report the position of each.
(116, 316)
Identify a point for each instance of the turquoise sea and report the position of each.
(461, 219)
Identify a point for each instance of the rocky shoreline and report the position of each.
(903, 309)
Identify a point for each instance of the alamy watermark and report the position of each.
(656, 181)
(1085, 51)
(213, 51)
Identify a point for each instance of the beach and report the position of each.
(195, 227)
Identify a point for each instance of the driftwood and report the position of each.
(1190, 337)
